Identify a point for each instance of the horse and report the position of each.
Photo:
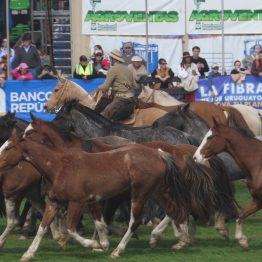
(247, 152)
(160, 97)
(67, 90)
(144, 170)
(86, 124)
(7, 123)
(182, 118)
(196, 178)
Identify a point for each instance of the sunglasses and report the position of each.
(163, 63)
(128, 47)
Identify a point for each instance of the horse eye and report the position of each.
(7, 148)
(56, 90)
(210, 137)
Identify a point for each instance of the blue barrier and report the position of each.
(228, 93)
(23, 97)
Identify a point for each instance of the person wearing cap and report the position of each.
(28, 54)
(46, 71)
(201, 62)
(84, 70)
(163, 74)
(120, 79)
(3, 52)
(22, 72)
(214, 73)
(101, 65)
(189, 75)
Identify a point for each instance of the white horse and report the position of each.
(149, 95)
(252, 117)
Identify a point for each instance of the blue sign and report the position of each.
(228, 92)
(23, 97)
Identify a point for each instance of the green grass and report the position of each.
(208, 245)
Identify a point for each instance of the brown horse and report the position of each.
(247, 152)
(75, 177)
(67, 90)
(196, 178)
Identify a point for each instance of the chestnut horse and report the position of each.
(196, 178)
(247, 152)
(67, 90)
(75, 177)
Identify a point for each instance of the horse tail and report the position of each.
(177, 185)
(200, 186)
(2, 203)
(237, 121)
(226, 203)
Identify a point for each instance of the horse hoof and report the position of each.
(98, 250)
(115, 254)
(22, 237)
(96, 245)
(26, 257)
(224, 233)
(62, 243)
(155, 239)
(180, 245)
(243, 242)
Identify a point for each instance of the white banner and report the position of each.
(240, 17)
(125, 17)
(170, 49)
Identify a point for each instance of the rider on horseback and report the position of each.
(121, 80)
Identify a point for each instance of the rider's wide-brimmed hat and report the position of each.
(137, 58)
(116, 54)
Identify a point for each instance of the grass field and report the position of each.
(208, 245)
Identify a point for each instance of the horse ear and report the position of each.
(34, 118)
(216, 121)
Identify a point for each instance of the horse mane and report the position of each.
(237, 121)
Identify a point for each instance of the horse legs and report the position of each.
(157, 232)
(12, 215)
(185, 233)
(74, 212)
(100, 225)
(251, 208)
(220, 225)
(48, 217)
(135, 221)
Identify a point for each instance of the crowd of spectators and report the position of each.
(29, 63)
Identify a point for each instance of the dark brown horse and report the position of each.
(247, 152)
(76, 178)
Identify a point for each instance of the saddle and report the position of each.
(131, 119)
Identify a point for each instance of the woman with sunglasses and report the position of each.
(162, 74)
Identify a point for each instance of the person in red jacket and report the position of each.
(22, 73)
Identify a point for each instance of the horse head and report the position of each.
(11, 152)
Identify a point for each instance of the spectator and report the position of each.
(3, 52)
(22, 73)
(128, 52)
(46, 72)
(101, 65)
(84, 70)
(188, 73)
(214, 73)
(201, 62)
(256, 69)
(238, 74)
(163, 73)
(248, 60)
(3, 74)
(28, 54)
(137, 67)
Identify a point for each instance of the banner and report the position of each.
(124, 17)
(240, 17)
(23, 97)
(228, 93)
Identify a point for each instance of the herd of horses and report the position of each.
(82, 159)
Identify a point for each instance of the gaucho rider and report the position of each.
(120, 79)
